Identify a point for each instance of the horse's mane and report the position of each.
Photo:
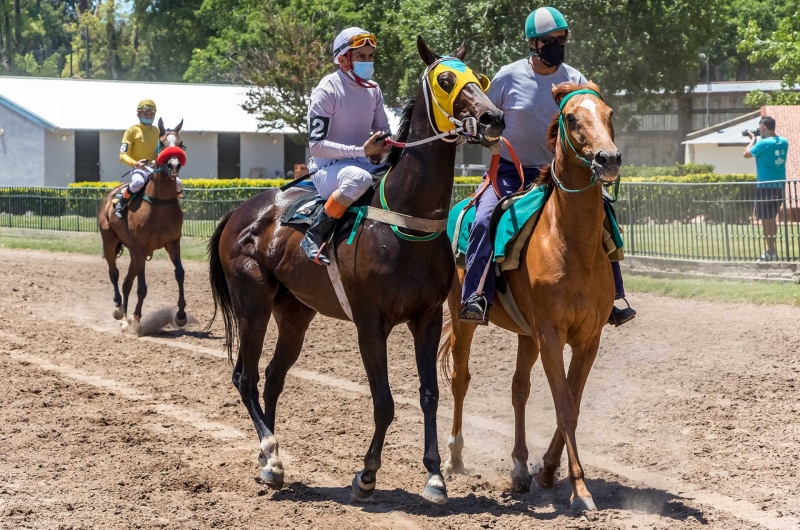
(559, 92)
(393, 156)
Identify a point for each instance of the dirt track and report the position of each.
(690, 418)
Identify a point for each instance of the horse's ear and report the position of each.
(161, 130)
(428, 57)
(461, 52)
(178, 127)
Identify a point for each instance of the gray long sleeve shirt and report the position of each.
(526, 99)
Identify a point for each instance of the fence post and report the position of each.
(41, 214)
(725, 224)
(785, 224)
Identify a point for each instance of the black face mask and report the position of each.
(551, 54)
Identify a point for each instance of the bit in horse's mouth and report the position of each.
(491, 138)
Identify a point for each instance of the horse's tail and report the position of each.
(446, 345)
(219, 288)
(120, 248)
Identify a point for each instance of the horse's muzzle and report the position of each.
(173, 167)
(490, 126)
(607, 166)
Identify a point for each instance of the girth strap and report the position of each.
(405, 221)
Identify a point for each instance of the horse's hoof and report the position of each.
(362, 491)
(541, 482)
(180, 321)
(435, 491)
(582, 504)
(118, 313)
(272, 477)
(521, 484)
(454, 467)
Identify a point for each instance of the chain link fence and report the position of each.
(712, 221)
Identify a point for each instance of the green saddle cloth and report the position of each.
(520, 210)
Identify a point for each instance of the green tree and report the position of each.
(782, 51)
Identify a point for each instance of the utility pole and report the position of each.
(88, 53)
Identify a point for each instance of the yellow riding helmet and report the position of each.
(146, 104)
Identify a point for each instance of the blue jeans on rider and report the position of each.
(479, 249)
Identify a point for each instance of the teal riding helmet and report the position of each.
(543, 21)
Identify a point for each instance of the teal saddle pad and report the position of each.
(518, 210)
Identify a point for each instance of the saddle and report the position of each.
(304, 209)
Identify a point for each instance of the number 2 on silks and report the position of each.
(318, 128)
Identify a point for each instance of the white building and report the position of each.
(722, 145)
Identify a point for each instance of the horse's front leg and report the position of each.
(551, 345)
(426, 331)
(579, 367)
(372, 335)
(173, 248)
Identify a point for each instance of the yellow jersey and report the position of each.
(139, 142)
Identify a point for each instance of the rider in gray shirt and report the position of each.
(522, 90)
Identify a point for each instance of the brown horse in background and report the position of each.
(146, 226)
(564, 289)
(258, 270)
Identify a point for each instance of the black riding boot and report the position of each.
(316, 235)
(475, 310)
(119, 207)
(621, 315)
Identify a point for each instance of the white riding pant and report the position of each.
(139, 179)
(351, 176)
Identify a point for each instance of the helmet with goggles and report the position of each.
(146, 104)
(351, 38)
(544, 20)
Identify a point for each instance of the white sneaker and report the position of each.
(766, 256)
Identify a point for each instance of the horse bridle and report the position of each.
(562, 131)
(466, 128)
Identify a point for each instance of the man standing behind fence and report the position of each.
(770, 154)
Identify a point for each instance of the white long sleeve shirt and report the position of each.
(341, 116)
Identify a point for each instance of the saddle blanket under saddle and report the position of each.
(512, 223)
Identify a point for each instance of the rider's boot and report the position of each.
(475, 310)
(316, 236)
(621, 315)
(122, 201)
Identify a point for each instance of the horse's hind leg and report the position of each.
(252, 299)
(138, 261)
(579, 368)
(552, 351)
(127, 285)
(173, 248)
(110, 242)
(527, 352)
(292, 318)
(460, 343)
(372, 335)
(426, 331)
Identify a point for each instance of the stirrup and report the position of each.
(475, 310)
(626, 314)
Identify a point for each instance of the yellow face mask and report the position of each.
(443, 101)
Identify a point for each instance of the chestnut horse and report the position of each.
(146, 226)
(564, 289)
(257, 269)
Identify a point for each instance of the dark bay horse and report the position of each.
(257, 269)
(146, 226)
(564, 289)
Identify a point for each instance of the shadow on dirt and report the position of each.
(540, 505)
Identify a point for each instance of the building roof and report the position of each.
(90, 104)
(728, 87)
(728, 132)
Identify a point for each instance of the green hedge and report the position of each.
(207, 184)
(678, 170)
(696, 178)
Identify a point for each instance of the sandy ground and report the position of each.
(690, 419)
